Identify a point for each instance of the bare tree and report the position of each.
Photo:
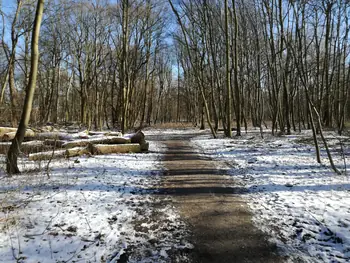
(11, 162)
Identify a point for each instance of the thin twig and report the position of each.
(88, 224)
(46, 228)
(48, 164)
(343, 155)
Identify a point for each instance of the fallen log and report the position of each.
(54, 143)
(106, 140)
(114, 148)
(34, 147)
(4, 130)
(137, 137)
(10, 135)
(47, 128)
(41, 156)
(75, 131)
(4, 147)
(97, 149)
(77, 151)
(54, 136)
(116, 134)
(94, 133)
(144, 146)
(26, 147)
(113, 140)
(105, 133)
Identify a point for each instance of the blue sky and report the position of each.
(6, 5)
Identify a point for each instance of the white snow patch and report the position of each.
(91, 209)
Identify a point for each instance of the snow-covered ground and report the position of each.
(105, 208)
(302, 205)
(91, 209)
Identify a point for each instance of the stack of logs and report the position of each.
(54, 144)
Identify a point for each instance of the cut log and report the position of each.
(83, 136)
(77, 151)
(94, 133)
(78, 143)
(26, 147)
(114, 148)
(105, 133)
(41, 156)
(114, 140)
(54, 136)
(34, 147)
(4, 130)
(116, 134)
(75, 131)
(10, 135)
(54, 143)
(137, 137)
(47, 128)
(105, 140)
(4, 147)
(144, 146)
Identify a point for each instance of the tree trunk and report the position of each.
(124, 64)
(228, 131)
(11, 161)
(237, 90)
(196, 73)
(13, 91)
(3, 87)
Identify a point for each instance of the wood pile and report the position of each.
(49, 143)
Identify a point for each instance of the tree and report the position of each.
(11, 162)
(228, 84)
(124, 81)
(237, 88)
(197, 72)
(12, 61)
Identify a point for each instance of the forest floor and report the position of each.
(190, 199)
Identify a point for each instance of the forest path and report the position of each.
(218, 217)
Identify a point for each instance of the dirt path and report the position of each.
(218, 217)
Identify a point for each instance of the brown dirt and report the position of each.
(218, 217)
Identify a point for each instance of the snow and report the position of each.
(90, 209)
(302, 205)
(106, 208)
